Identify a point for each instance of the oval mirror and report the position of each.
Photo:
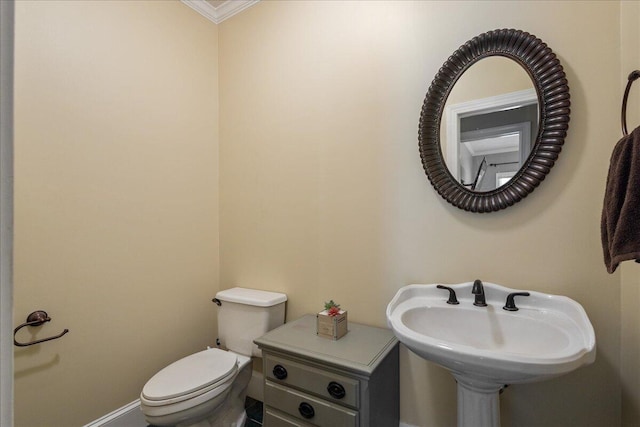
(494, 120)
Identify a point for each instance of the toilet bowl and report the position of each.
(187, 391)
(208, 388)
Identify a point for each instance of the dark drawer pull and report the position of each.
(306, 410)
(336, 390)
(279, 372)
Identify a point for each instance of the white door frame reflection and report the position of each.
(495, 141)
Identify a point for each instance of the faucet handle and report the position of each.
(511, 304)
(452, 295)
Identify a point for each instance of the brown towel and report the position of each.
(620, 226)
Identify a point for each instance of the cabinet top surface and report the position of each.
(361, 349)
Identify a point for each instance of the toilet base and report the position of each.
(225, 422)
(232, 414)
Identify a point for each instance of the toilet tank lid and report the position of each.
(253, 297)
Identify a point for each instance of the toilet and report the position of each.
(208, 388)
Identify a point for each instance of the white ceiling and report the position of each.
(219, 10)
(217, 3)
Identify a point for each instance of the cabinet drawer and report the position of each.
(273, 418)
(307, 408)
(334, 387)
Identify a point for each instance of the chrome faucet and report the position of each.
(478, 291)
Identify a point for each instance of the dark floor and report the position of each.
(254, 412)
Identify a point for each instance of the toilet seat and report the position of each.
(190, 377)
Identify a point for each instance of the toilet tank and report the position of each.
(246, 314)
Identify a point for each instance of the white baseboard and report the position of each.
(406, 425)
(133, 406)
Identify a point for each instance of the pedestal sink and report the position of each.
(486, 348)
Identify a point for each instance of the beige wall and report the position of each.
(322, 194)
(630, 288)
(116, 204)
(495, 75)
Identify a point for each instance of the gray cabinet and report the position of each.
(314, 381)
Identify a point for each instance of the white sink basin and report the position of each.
(549, 335)
(488, 347)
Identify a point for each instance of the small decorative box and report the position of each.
(332, 327)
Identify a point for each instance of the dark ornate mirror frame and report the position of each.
(551, 84)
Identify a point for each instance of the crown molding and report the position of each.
(230, 8)
(220, 13)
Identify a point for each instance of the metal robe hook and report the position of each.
(36, 318)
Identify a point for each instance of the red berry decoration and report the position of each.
(332, 308)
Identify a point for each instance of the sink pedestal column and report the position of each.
(478, 403)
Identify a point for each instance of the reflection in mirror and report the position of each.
(489, 122)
